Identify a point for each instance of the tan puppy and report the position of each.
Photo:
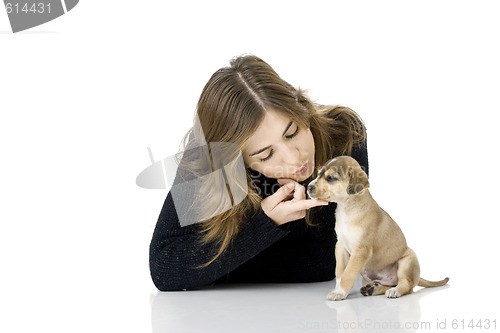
(369, 242)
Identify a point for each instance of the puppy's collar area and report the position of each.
(356, 199)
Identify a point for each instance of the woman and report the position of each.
(273, 234)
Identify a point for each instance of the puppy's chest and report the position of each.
(347, 233)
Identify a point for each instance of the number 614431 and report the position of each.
(35, 8)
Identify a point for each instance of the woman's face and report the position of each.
(281, 149)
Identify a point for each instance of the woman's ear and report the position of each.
(358, 180)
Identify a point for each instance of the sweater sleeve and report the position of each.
(176, 252)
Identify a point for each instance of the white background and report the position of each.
(83, 96)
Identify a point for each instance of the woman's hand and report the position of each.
(281, 209)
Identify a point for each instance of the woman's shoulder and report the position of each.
(349, 130)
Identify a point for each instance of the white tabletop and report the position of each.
(300, 308)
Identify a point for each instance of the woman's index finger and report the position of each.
(308, 203)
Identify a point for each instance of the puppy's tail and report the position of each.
(427, 284)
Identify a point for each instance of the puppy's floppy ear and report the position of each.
(358, 180)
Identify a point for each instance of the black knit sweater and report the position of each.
(261, 252)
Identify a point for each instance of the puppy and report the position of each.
(369, 242)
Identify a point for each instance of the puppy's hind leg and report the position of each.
(373, 289)
(408, 275)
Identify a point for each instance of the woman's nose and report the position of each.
(291, 156)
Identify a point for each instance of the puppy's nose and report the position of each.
(310, 188)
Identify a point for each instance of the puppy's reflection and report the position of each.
(378, 313)
(283, 308)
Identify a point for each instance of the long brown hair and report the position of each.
(231, 107)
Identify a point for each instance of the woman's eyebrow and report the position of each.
(284, 132)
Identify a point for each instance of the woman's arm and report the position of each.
(176, 252)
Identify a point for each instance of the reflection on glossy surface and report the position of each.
(284, 308)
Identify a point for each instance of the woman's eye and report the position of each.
(294, 133)
(272, 151)
(331, 178)
(268, 156)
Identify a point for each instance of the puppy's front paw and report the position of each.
(392, 293)
(336, 295)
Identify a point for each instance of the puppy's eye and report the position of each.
(331, 178)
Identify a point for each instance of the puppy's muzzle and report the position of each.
(310, 190)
